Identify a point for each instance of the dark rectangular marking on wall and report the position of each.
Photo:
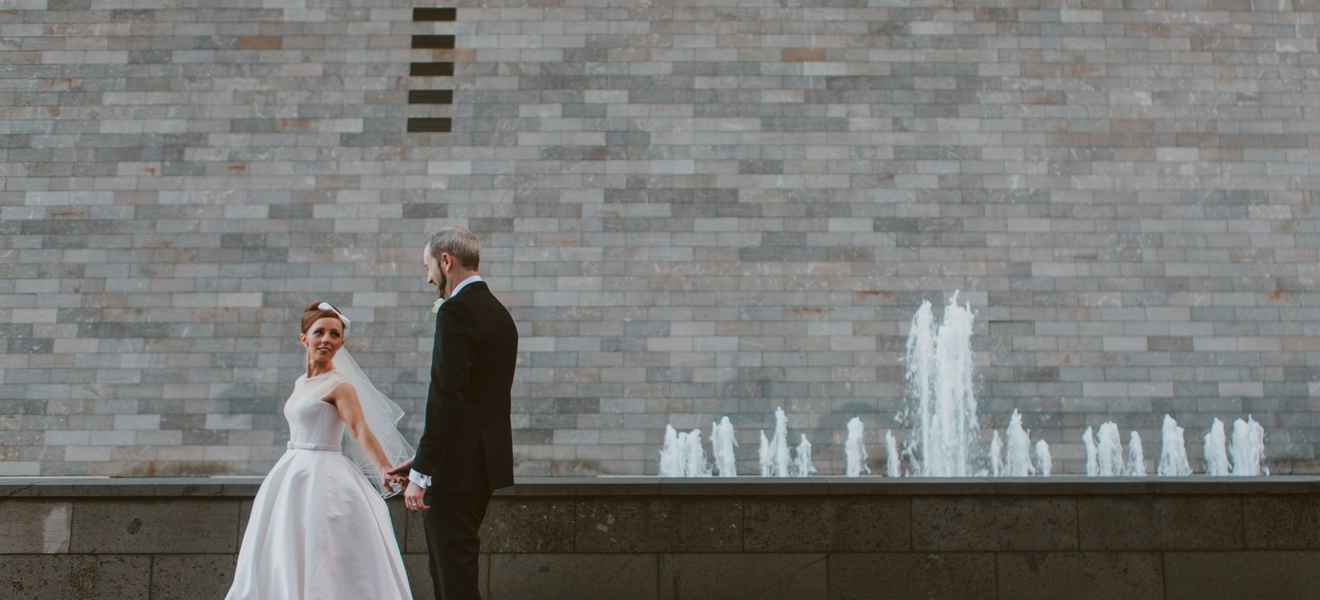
(435, 14)
(431, 69)
(441, 42)
(433, 125)
(430, 96)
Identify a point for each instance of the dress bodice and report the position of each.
(314, 424)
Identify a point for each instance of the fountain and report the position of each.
(939, 380)
(1216, 455)
(683, 455)
(1247, 450)
(1088, 442)
(1173, 451)
(854, 450)
(1109, 451)
(1017, 463)
(1044, 464)
(722, 444)
(671, 455)
(891, 455)
(802, 465)
(944, 440)
(779, 445)
(996, 455)
(766, 462)
(694, 463)
(1136, 461)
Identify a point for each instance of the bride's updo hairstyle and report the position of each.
(315, 311)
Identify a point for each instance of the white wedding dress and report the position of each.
(318, 529)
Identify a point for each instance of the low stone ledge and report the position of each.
(72, 487)
(648, 538)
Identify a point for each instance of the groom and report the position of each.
(466, 449)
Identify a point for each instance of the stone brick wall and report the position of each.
(693, 209)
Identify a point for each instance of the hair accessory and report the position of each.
(331, 308)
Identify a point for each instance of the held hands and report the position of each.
(396, 478)
(414, 497)
(394, 482)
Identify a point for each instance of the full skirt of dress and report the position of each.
(318, 531)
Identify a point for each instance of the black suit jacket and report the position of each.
(467, 409)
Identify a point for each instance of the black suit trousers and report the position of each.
(452, 524)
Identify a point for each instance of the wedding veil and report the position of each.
(381, 416)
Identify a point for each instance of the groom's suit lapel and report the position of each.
(437, 351)
(437, 348)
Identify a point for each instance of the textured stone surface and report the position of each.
(710, 524)
(1082, 575)
(57, 577)
(954, 576)
(527, 525)
(1144, 523)
(692, 210)
(994, 524)
(192, 576)
(788, 525)
(419, 575)
(544, 541)
(155, 526)
(870, 524)
(34, 527)
(1282, 522)
(625, 525)
(1195, 575)
(587, 576)
(721, 576)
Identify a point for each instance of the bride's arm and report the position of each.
(346, 402)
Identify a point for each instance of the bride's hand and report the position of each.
(401, 470)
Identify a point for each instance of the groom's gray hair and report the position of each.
(458, 242)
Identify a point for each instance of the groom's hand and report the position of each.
(414, 497)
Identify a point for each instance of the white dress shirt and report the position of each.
(421, 479)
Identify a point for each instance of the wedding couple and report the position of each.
(319, 529)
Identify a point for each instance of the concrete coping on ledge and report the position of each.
(246, 487)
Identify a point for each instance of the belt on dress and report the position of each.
(313, 447)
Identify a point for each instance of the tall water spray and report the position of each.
(1092, 463)
(854, 449)
(722, 443)
(694, 454)
(1044, 463)
(996, 455)
(1109, 455)
(940, 390)
(1173, 451)
(767, 462)
(672, 458)
(683, 454)
(802, 464)
(1247, 449)
(779, 444)
(1017, 459)
(1216, 452)
(1136, 456)
(891, 455)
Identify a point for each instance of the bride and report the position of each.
(319, 530)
